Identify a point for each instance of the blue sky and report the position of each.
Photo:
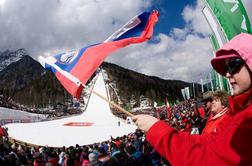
(180, 48)
(170, 10)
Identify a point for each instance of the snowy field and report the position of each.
(55, 133)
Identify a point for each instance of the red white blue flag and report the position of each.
(168, 108)
(74, 68)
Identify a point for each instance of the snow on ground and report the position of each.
(55, 134)
(7, 113)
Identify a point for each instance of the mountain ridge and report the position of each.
(28, 83)
(7, 57)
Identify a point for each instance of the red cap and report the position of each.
(240, 46)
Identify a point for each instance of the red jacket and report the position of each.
(214, 121)
(202, 112)
(1, 131)
(230, 145)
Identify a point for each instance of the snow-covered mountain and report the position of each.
(8, 57)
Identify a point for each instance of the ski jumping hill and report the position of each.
(95, 124)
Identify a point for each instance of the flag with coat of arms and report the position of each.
(74, 68)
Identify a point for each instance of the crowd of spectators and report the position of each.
(184, 116)
(128, 150)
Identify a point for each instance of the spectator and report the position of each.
(61, 158)
(1, 131)
(117, 156)
(219, 107)
(207, 99)
(93, 158)
(133, 158)
(138, 152)
(231, 145)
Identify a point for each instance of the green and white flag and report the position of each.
(214, 42)
(187, 93)
(218, 32)
(226, 18)
(183, 93)
(231, 16)
(214, 77)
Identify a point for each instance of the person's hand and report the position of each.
(144, 122)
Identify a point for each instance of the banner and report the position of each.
(183, 93)
(74, 68)
(214, 42)
(231, 16)
(187, 93)
(226, 18)
(83, 124)
(214, 77)
(219, 35)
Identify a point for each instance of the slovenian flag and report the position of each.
(74, 68)
(168, 108)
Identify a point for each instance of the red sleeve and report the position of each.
(1, 132)
(179, 148)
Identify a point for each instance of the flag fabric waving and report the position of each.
(74, 68)
(168, 108)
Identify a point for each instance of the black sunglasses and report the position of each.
(234, 66)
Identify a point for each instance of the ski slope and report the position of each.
(56, 133)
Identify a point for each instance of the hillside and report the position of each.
(28, 83)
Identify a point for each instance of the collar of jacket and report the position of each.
(222, 112)
(240, 102)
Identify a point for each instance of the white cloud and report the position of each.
(49, 27)
(195, 19)
(184, 54)
(187, 59)
(43, 26)
(248, 6)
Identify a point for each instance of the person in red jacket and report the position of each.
(231, 144)
(1, 131)
(207, 99)
(219, 109)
